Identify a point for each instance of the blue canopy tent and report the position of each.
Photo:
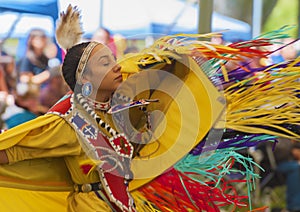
(13, 11)
(45, 7)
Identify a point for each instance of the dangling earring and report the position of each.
(87, 89)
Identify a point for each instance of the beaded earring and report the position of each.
(87, 89)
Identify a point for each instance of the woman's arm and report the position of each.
(43, 137)
(41, 77)
(36, 79)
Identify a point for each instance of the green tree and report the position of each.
(275, 14)
(283, 14)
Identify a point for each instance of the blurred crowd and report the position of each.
(32, 84)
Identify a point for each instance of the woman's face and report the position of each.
(102, 70)
(39, 42)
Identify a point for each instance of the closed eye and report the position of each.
(104, 60)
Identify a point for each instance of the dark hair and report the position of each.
(71, 62)
(40, 61)
(33, 34)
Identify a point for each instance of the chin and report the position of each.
(117, 85)
(114, 86)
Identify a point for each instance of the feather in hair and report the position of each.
(68, 29)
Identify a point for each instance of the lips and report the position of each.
(119, 77)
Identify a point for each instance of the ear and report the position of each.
(84, 79)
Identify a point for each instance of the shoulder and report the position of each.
(63, 106)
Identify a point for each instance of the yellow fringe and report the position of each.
(142, 204)
(259, 104)
(224, 72)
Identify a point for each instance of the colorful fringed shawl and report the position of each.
(261, 105)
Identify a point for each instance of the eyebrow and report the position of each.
(104, 56)
(107, 57)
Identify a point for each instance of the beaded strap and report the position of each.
(83, 102)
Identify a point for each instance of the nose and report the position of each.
(116, 68)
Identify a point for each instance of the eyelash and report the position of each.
(108, 62)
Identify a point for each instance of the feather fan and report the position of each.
(68, 29)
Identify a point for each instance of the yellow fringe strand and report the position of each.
(268, 99)
(142, 204)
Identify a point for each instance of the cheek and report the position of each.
(107, 81)
(96, 77)
(103, 78)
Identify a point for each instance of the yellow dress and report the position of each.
(55, 156)
(51, 144)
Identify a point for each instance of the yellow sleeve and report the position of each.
(45, 136)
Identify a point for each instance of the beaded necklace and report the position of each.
(104, 106)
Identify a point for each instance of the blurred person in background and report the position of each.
(132, 47)
(286, 51)
(23, 106)
(8, 79)
(34, 65)
(3, 85)
(8, 74)
(55, 88)
(103, 35)
(217, 40)
(3, 104)
(289, 52)
(291, 169)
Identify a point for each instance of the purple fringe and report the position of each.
(239, 141)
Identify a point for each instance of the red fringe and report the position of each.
(253, 46)
(177, 192)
